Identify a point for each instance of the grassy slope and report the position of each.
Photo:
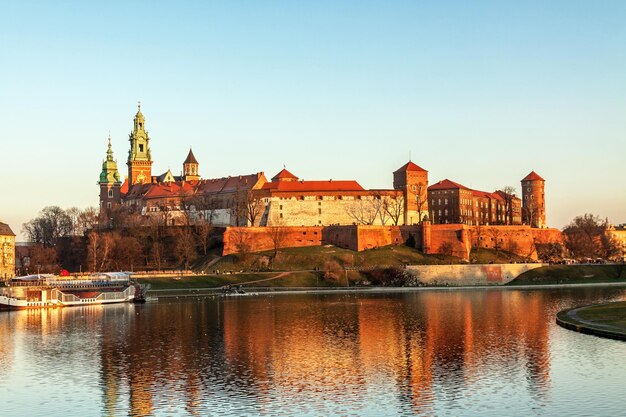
(490, 256)
(312, 258)
(307, 265)
(572, 274)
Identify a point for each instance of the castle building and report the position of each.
(7, 252)
(412, 180)
(533, 200)
(451, 202)
(110, 184)
(286, 200)
(139, 158)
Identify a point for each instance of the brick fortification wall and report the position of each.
(260, 238)
(454, 239)
(357, 238)
(460, 239)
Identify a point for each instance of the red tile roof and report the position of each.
(188, 188)
(124, 187)
(284, 175)
(5, 230)
(312, 186)
(485, 194)
(533, 176)
(447, 185)
(410, 166)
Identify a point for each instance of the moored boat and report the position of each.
(44, 290)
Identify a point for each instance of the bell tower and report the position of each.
(139, 157)
(109, 182)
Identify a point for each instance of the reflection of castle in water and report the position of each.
(200, 355)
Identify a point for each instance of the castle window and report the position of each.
(281, 215)
(110, 193)
(108, 205)
(445, 201)
(140, 148)
(319, 211)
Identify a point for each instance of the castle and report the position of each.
(286, 200)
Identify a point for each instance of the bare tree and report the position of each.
(394, 207)
(278, 236)
(496, 235)
(254, 207)
(99, 249)
(239, 207)
(184, 247)
(362, 211)
(239, 238)
(587, 237)
(421, 199)
(203, 230)
(51, 224)
(508, 194)
(379, 204)
(530, 212)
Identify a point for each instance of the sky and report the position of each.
(479, 92)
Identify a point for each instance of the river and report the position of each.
(436, 352)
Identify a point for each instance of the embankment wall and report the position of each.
(457, 275)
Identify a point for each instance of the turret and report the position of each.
(109, 182)
(533, 200)
(190, 168)
(413, 181)
(139, 158)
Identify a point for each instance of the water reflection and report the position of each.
(427, 353)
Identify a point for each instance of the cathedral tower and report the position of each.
(533, 200)
(109, 182)
(139, 158)
(190, 168)
(413, 180)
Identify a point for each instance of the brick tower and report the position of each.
(109, 183)
(190, 168)
(139, 158)
(533, 200)
(413, 180)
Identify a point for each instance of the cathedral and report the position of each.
(286, 200)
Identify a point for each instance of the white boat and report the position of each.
(44, 290)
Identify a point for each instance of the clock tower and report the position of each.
(139, 158)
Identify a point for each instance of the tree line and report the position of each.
(79, 240)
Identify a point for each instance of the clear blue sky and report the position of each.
(478, 92)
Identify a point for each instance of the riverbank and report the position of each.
(203, 292)
(604, 320)
(550, 275)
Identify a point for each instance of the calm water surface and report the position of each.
(482, 352)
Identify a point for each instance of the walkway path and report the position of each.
(605, 320)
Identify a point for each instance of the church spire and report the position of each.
(139, 156)
(109, 173)
(110, 150)
(190, 167)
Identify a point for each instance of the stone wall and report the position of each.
(459, 239)
(455, 275)
(262, 238)
(449, 239)
(319, 211)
